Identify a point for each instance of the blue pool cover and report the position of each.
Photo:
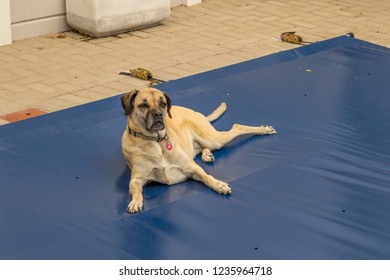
(319, 189)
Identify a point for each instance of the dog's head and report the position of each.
(147, 107)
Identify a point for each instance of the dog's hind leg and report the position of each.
(214, 139)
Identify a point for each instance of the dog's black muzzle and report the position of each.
(155, 120)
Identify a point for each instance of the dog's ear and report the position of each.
(127, 101)
(169, 104)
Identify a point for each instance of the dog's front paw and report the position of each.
(222, 188)
(135, 206)
(265, 129)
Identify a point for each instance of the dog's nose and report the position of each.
(157, 114)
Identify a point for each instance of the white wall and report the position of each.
(5, 23)
(36, 17)
(21, 19)
(184, 2)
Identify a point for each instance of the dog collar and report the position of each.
(151, 138)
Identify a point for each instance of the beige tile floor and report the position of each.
(50, 73)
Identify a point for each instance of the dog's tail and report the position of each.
(217, 112)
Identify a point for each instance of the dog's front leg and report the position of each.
(135, 190)
(197, 173)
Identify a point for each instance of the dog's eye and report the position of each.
(163, 105)
(143, 106)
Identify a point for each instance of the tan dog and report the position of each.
(162, 149)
